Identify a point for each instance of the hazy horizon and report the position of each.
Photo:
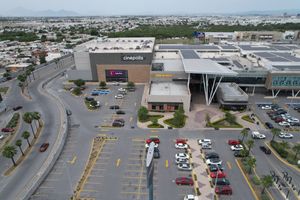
(155, 7)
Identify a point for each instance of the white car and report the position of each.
(257, 135)
(293, 120)
(98, 104)
(206, 146)
(1, 137)
(122, 90)
(182, 155)
(237, 147)
(285, 135)
(147, 145)
(206, 141)
(190, 197)
(284, 123)
(182, 160)
(119, 96)
(181, 146)
(213, 161)
(266, 107)
(184, 167)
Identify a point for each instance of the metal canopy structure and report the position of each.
(209, 69)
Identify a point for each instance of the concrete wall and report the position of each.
(82, 62)
(79, 74)
(136, 73)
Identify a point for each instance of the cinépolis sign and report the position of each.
(132, 58)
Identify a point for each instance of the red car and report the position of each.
(7, 129)
(153, 139)
(44, 147)
(181, 140)
(224, 189)
(220, 174)
(233, 142)
(184, 181)
(279, 119)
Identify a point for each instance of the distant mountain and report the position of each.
(272, 12)
(23, 12)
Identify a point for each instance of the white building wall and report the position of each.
(82, 63)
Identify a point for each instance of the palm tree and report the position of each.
(251, 163)
(32, 68)
(266, 182)
(19, 144)
(27, 117)
(37, 116)
(26, 136)
(28, 72)
(285, 145)
(244, 133)
(9, 152)
(296, 149)
(275, 132)
(20, 84)
(250, 144)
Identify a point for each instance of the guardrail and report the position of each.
(39, 177)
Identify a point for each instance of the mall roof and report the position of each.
(277, 56)
(196, 65)
(168, 88)
(260, 47)
(183, 46)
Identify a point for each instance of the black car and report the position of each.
(120, 120)
(214, 168)
(114, 107)
(221, 181)
(131, 89)
(117, 124)
(211, 155)
(156, 153)
(17, 108)
(89, 99)
(265, 149)
(269, 125)
(69, 112)
(120, 112)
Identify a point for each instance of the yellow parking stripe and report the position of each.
(167, 163)
(229, 165)
(118, 162)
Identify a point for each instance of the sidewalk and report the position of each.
(160, 121)
(245, 124)
(207, 192)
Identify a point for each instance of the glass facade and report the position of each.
(285, 81)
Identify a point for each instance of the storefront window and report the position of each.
(116, 75)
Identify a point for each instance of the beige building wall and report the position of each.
(136, 73)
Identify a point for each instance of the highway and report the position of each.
(10, 186)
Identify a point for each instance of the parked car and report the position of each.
(68, 112)
(181, 146)
(182, 160)
(220, 181)
(156, 153)
(266, 107)
(278, 119)
(117, 123)
(258, 135)
(184, 167)
(206, 146)
(266, 150)
(148, 145)
(122, 90)
(184, 181)
(233, 142)
(114, 107)
(269, 125)
(153, 139)
(210, 155)
(1, 137)
(201, 141)
(190, 197)
(224, 189)
(120, 112)
(214, 168)
(213, 161)
(17, 108)
(219, 173)
(286, 135)
(284, 123)
(89, 99)
(44, 147)
(182, 155)
(181, 140)
(119, 96)
(7, 129)
(237, 147)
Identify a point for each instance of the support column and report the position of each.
(210, 93)
(214, 90)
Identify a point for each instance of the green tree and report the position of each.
(251, 163)
(130, 84)
(179, 117)
(244, 133)
(43, 38)
(9, 152)
(93, 103)
(266, 182)
(21, 78)
(42, 59)
(7, 75)
(102, 84)
(27, 118)
(275, 132)
(36, 116)
(230, 118)
(77, 91)
(19, 144)
(94, 32)
(25, 136)
(250, 144)
(296, 149)
(32, 68)
(28, 73)
(79, 82)
(154, 121)
(143, 114)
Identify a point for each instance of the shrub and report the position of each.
(102, 84)
(143, 114)
(255, 180)
(279, 149)
(13, 121)
(79, 82)
(77, 91)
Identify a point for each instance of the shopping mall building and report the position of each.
(175, 75)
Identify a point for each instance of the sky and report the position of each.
(137, 7)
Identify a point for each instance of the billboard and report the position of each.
(116, 73)
(199, 35)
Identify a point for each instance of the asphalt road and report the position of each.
(11, 185)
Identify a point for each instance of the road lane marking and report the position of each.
(229, 165)
(118, 162)
(131, 118)
(73, 160)
(167, 163)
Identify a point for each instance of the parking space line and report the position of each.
(138, 140)
(167, 163)
(97, 176)
(99, 169)
(118, 162)
(49, 179)
(229, 165)
(73, 160)
(46, 187)
(137, 193)
(93, 183)
(89, 190)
